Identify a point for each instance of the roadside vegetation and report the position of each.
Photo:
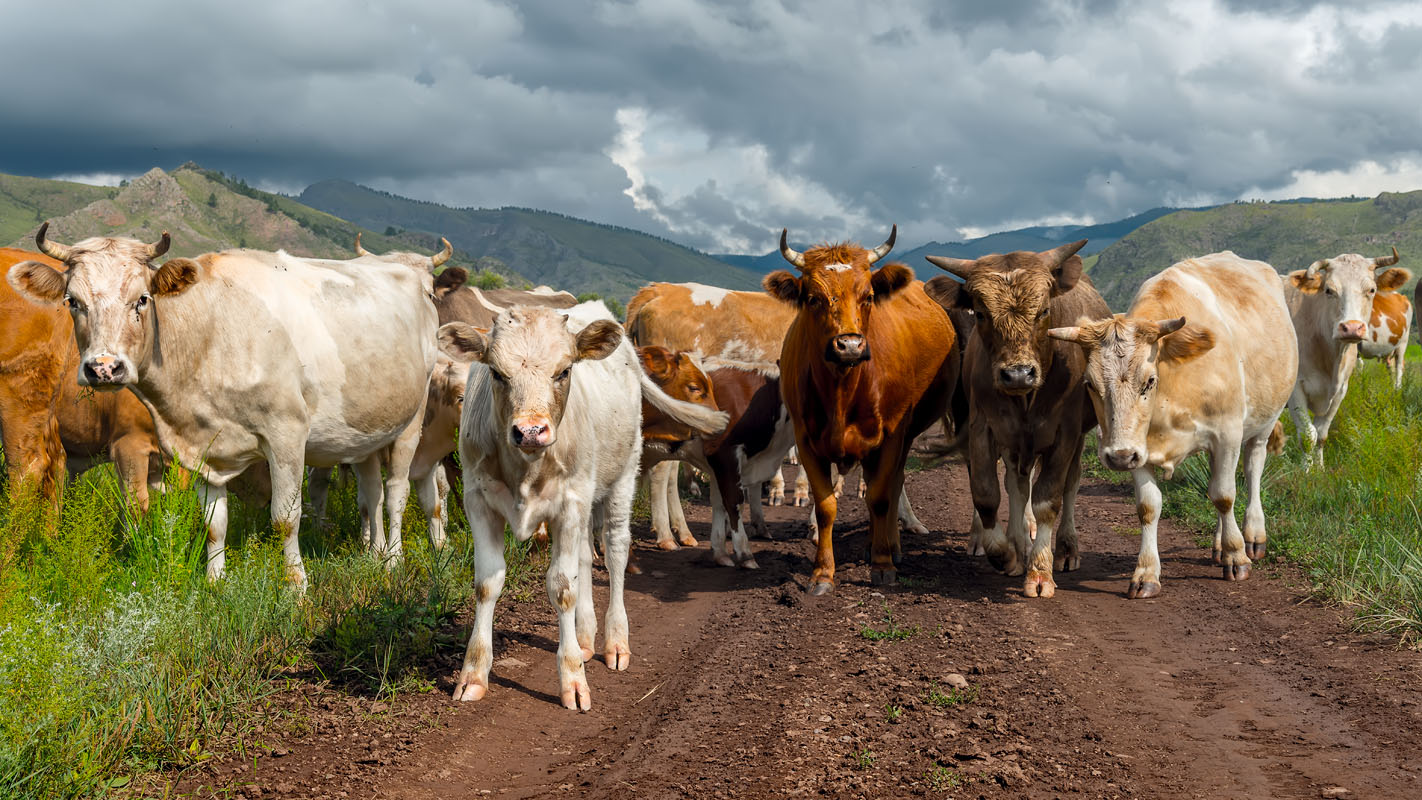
(119, 657)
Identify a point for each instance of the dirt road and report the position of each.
(742, 686)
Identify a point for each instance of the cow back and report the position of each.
(709, 321)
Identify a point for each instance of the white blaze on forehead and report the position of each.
(836, 267)
(707, 295)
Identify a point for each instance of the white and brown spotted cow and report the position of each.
(1329, 303)
(244, 356)
(1386, 339)
(550, 433)
(1203, 360)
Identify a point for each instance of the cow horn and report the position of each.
(1059, 255)
(1386, 261)
(1169, 326)
(443, 255)
(791, 254)
(883, 249)
(1313, 268)
(160, 247)
(55, 250)
(360, 251)
(962, 267)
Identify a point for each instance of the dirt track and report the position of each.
(742, 686)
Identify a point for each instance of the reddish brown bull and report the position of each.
(868, 364)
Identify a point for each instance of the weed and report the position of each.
(891, 630)
(952, 696)
(893, 712)
(863, 759)
(911, 582)
(941, 778)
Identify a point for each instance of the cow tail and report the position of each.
(699, 418)
(1276, 438)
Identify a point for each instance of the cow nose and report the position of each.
(1351, 330)
(104, 370)
(530, 434)
(1123, 457)
(1018, 376)
(849, 347)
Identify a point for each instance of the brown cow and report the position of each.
(457, 301)
(1386, 337)
(47, 423)
(868, 364)
(1027, 403)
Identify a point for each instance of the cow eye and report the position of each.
(493, 373)
(1328, 290)
(1149, 384)
(71, 302)
(693, 391)
(1043, 313)
(142, 302)
(563, 376)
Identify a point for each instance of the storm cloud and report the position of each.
(717, 123)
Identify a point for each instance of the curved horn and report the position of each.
(360, 251)
(55, 250)
(443, 255)
(791, 254)
(1313, 268)
(160, 247)
(1059, 255)
(883, 249)
(962, 267)
(1386, 261)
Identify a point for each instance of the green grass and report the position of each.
(890, 631)
(941, 778)
(118, 657)
(863, 759)
(950, 697)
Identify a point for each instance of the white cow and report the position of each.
(1204, 360)
(551, 433)
(1331, 303)
(245, 356)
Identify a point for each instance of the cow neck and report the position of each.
(1320, 345)
(837, 392)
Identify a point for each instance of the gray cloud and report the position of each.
(834, 118)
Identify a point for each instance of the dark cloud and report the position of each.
(717, 123)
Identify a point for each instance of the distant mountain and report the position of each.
(558, 250)
(1289, 235)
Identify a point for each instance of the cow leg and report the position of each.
(726, 477)
(432, 488)
(1145, 582)
(33, 452)
(755, 507)
(802, 488)
(676, 510)
(486, 529)
(318, 485)
(1067, 553)
(370, 497)
(909, 520)
(1048, 489)
(1224, 459)
(722, 518)
(568, 536)
(777, 489)
(287, 472)
(1399, 362)
(584, 616)
(817, 471)
(886, 476)
(130, 455)
(616, 650)
(991, 540)
(1019, 495)
(1256, 450)
(662, 480)
(214, 511)
(397, 486)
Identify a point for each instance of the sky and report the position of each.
(715, 124)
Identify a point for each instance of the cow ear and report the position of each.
(173, 278)
(450, 279)
(1302, 282)
(462, 342)
(948, 292)
(598, 340)
(657, 362)
(1391, 280)
(889, 279)
(1067, 275)
(37, 282)
(783, 285)
(1191, 341)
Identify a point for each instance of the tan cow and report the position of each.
(1386, 339)
(1204, 360)
(1328, 303)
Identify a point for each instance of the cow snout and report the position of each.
(1018, 377)
(105, 371)
(1351, 331)
(850, 348)
(1122, 457)
(531, 434)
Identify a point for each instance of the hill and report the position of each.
(550, 248)
(1289, 235)
(202, 209)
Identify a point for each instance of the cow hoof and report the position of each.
(883, 577)
(819, 588)
(633, 569)
(1067, 563)
(687, 541)
(667, 544)
(919, 529)
(587, 653)
(897, 557)
(576, 695)
(724, 560)
(1255, 550)
(777, 499)
(1216, 555)
(977, 550)
(1038, 584)
(469, 691)
(618, 657)
(1143, 589)
(1236, 572)
(749, 563)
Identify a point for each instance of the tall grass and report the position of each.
(118, 656)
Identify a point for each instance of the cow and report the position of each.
(457, 301)
(550, 433)
(47, 423)
(243, 356)
(868, 363)
(1328, 303)
(1386, 338)
(1204, 360)
(1027, 404)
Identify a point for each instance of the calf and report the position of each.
(1204, 360)
(679, 374)
(1328, 303)
(1386, 339)
(1027, 404)
(550, 433)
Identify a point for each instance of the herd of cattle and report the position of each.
(258, 364)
